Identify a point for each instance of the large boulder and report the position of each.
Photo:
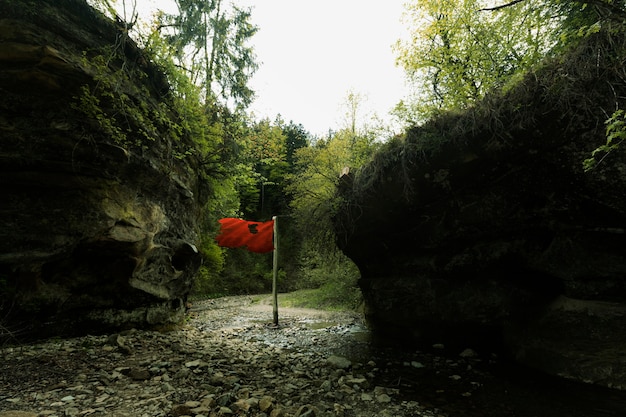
(482, 229)
(99, 207)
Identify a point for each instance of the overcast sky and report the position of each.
(312, 52)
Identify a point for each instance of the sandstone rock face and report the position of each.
(482, 228)
(99, 219)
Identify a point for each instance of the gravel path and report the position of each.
(227, 360)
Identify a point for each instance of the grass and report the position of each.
(340, 294)
(323, 298)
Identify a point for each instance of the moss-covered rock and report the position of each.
(100, 201)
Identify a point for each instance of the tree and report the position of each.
(458, 51)
(211, 43)
(266, 157)
(317, 171)
(353, 104)
(264, 149)
(312, 189)
(296, 137)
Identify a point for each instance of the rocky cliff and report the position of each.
(100, 203)
(482, 229)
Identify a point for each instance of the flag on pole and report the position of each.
(255, 236)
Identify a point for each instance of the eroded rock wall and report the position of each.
(482, 230)
(98, 217)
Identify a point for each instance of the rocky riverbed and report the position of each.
(228, 359)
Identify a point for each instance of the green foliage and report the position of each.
(266, 143)
(330, 296)
(253, 189)
(318, 169)
(615, 135)
(460, 49)
(194, 118)
(295, 138)
(248, 170)
(312, 188)
(210, 41)
(278, 172)
(325, 279)
(262, 168)
(89, 104)
(583, 18)
(111, 102)
(334, 275)
(243, 273)
(457, 52)
(212, 266)
(120, 103)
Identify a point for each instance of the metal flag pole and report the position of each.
(275, 272)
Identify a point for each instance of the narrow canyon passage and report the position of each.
(228, 359)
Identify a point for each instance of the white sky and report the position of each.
(312, 52)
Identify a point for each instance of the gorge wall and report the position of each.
(482, 229)
(99, 211)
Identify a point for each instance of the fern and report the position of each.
(615, 135)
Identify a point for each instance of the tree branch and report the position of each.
(502, 6)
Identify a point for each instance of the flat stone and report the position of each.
(139, 374)
(339, 362)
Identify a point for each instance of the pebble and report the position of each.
(468, 353)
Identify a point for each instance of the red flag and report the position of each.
(255, 236)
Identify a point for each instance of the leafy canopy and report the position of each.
(457, 50)
(461, 49)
